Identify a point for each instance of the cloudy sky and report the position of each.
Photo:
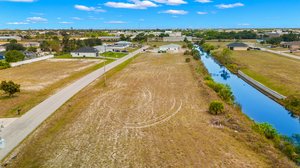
(25, 14)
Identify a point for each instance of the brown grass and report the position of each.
(39, 80)
(151, 114)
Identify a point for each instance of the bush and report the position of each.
(216, 108)
(14, 56)
(223, 91)
(4, 64)
(187, 52)
(293, 103)
(266, 129)
(10, 87)
(187, 60)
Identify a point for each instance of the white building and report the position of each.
(103, 48)
(31, 44)
(170, 48)
(6, 38)
(85, 52)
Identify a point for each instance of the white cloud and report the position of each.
(204, 1)
(136, 4)
(115, 22)
(76, 18)
(171, 2)
(175, 12)
(89, 9)
(64, 22)
(202, 13)
(36, 19)
(17, 23)
(226, 6)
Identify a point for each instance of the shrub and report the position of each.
(10, 87)
(4, 64)
(293, 103)
(187, 60)
(223, 91)
(187, 52)
(14, 56)
(216, 108)
(266, 129)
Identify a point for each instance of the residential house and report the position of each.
(238, 46)
(7, 38)
(85, 52)
(170, 48)
(293, 46)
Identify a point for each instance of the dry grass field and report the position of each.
(39, 79)
(276, 72)
(153, 113)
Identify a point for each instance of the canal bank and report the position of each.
(267, 91)
(255, 104)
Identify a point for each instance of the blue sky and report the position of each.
(100, 14)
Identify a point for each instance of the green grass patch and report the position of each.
(114, 54)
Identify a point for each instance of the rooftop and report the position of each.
(237, 45)
(86, 50)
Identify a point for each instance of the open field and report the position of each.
(153, 113)
(38, 80)
(278, 73)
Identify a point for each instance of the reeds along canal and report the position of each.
(254, 103)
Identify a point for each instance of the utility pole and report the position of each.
(104, 66)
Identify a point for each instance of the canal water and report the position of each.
(255, 104)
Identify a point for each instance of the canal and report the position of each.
(255, 104)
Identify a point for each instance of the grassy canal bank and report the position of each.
(276, 72)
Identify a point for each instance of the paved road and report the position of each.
(22, 127)
(276, 52)
(31, 60)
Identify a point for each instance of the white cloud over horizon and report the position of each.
(227, 6)
(175, 12)
(89, 9)
(204, 1)
(171, 2)
(134, 4)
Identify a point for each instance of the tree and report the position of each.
(275, 40)
(10, 87)
(226, 54)
(14, 46)
(32, 49)
(45, 46)
(14, 56)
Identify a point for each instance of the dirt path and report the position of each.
(151, 114)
